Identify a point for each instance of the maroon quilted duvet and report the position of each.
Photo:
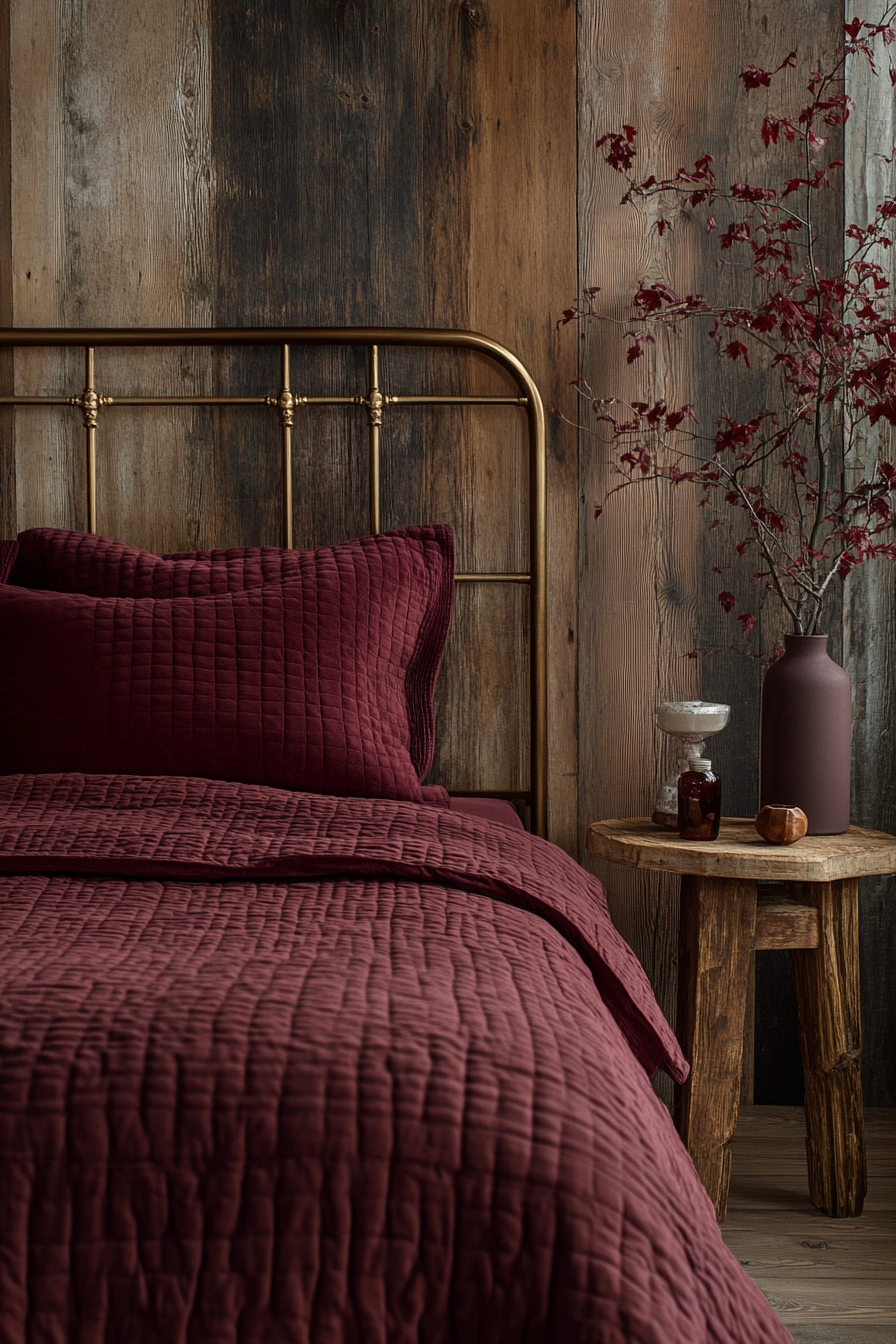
(278, 1067)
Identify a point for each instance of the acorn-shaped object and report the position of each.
(782, 825)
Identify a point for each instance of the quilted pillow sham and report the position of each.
(81, 562)
(322, 681)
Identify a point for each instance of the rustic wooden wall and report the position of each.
(647, 592)
(177, 162)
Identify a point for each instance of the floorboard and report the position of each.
(831, 1281)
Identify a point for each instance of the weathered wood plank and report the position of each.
(827, 991)
(520, 117)
(110, 187)
(49, 473)
(781, 1239)
(715, 942)
(783, 923)
(740, 852)
(401, 217)
(7, 359)
(869, 618)
(639, 564)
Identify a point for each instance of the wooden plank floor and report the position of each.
(831, 1280)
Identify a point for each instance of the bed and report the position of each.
(293, 1045)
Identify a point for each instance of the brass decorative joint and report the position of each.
(374, 401)
(286, 404)
(89, 404)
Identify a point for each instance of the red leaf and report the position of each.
(737, 350)
(674, 418)
(728, 601)
(748, 621)
(754, 78)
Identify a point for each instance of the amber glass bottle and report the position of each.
(699, 802)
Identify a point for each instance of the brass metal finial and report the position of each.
(374, 401)
(89, 404)
(286, 404)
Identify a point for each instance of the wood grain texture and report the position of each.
(520, 116)
(740, 852)
(827, 991)
(785, 923)
(869, 619)
(835, 1276)
(7, 359)
(715, 943)
(110, 187)
(638, 581)
(440, 191)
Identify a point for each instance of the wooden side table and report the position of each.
(722, 921)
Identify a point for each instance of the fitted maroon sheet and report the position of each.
(488, 809)
(281, 1067)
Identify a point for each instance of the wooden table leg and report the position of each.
(718, 920)
(827, 989)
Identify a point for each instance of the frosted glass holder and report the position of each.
(689, 723)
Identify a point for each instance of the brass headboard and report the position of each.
(91, 402)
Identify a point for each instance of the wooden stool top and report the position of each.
(741, 852)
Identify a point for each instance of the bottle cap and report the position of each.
(701, 763)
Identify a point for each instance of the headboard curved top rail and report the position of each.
(91, 403)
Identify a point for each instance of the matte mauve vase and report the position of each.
(806, 745)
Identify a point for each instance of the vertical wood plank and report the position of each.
(442, 179)
(638, 579)
(49, 475)
(827, 989)
(715, 947)
(111, 188)
(869, 619)
(521, 117)
(7, 374)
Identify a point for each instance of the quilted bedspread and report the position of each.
(279, 1067)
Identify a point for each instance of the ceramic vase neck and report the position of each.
(806, 646)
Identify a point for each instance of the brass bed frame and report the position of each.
(374, 401)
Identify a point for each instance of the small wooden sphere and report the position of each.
(782, 825)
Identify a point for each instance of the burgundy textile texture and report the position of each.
(488, 809)
(79, 562)
(321, 681)
(282, 1068)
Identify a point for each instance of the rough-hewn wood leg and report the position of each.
(827, 989)
(718, 919)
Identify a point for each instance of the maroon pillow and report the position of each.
(80, 562)
(321, 682)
